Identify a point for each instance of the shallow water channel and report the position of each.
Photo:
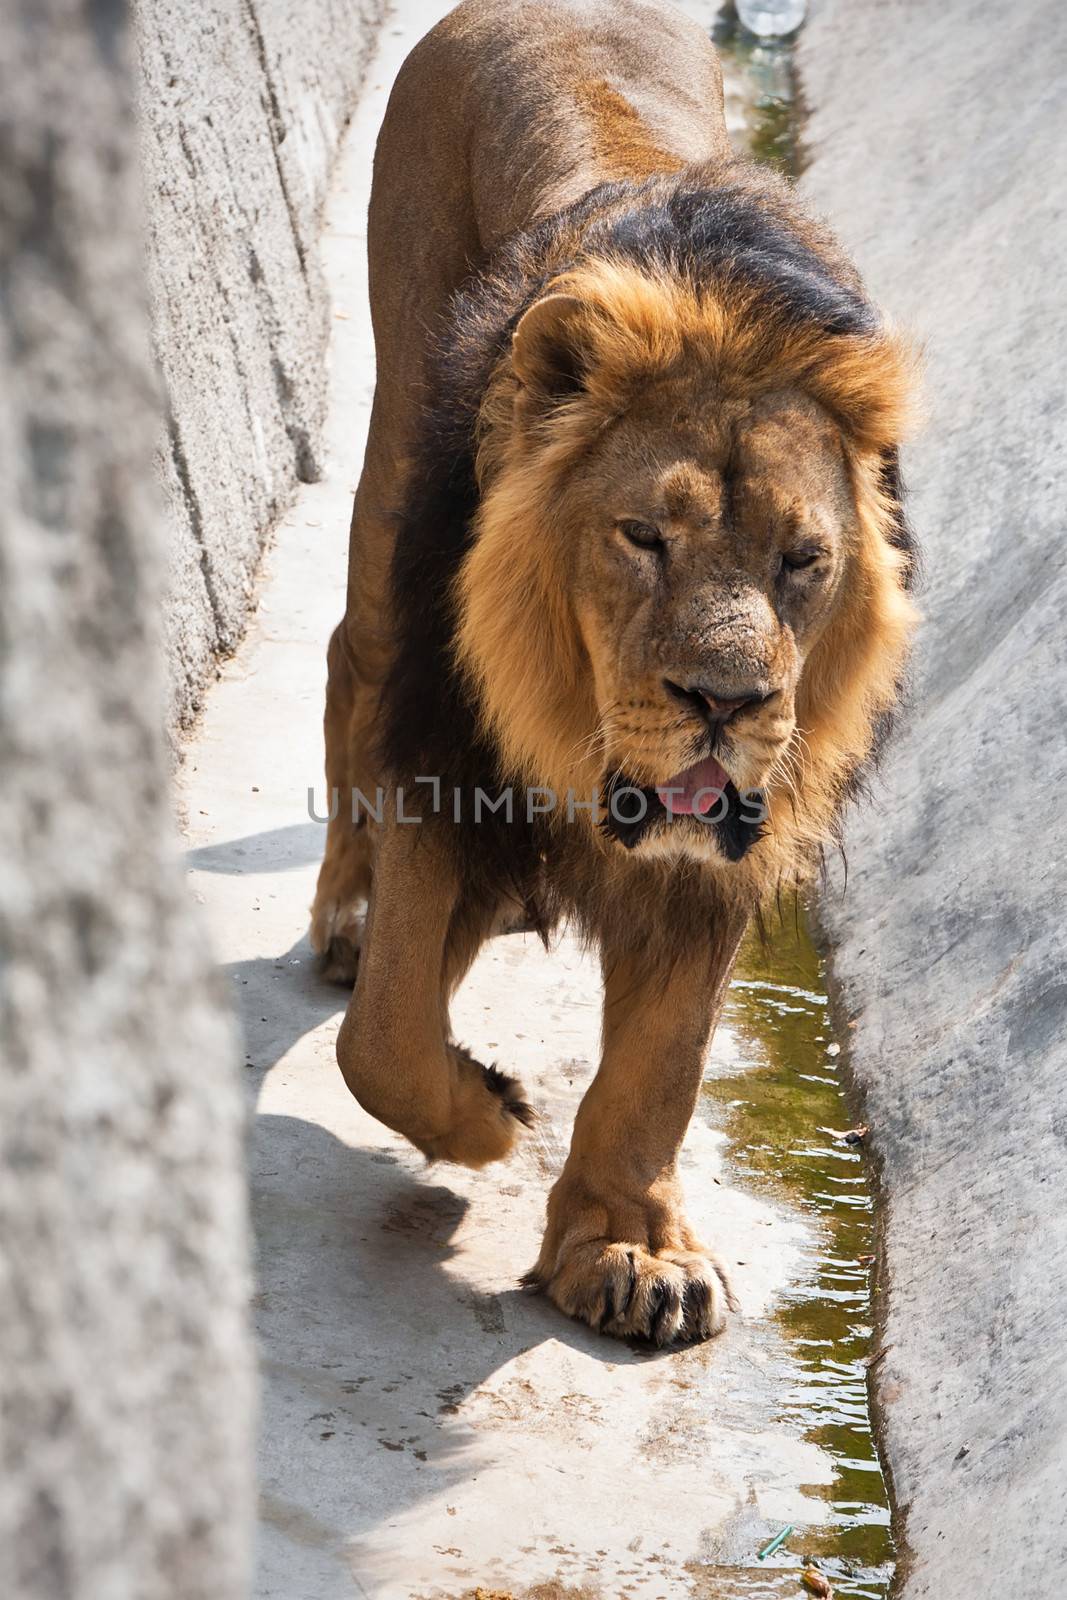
(779, 1098)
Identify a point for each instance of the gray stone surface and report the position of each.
(243, 103)
(937, 139)
(125, 1390)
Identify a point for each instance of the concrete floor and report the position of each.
(428, 1427)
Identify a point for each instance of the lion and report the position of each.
(629, 597)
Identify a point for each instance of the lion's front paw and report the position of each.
(674, 1296)
(487, 1109)
(628, 1263)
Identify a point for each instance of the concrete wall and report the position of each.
(125, 1389)
(937, 141)
(243, 102)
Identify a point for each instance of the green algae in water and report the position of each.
(781, 1114)
(762, 95)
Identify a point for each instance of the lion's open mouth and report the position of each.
(704, 794)
(694, 790)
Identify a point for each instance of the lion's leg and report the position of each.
(357, 662)
(343, 889)
(618, 1251)
(394, 1048)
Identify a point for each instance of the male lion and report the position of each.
(629, 529)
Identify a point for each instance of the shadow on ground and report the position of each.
(280, 999)
(374, 1339)
(274, 850)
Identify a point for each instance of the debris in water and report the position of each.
(817, 1583)
(776, 1543)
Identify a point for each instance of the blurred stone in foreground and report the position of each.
(125, 1395)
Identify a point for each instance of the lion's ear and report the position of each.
(550, 346)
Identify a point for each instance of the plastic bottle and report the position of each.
(771, 19)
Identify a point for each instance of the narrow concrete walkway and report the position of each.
(427, 1427)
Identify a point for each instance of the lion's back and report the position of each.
(509, 110)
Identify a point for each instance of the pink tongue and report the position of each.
(696, 789)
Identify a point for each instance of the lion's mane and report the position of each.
(489, 686)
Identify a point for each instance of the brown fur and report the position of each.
(622, 147)
(622, 391)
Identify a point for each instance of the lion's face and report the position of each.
(708, 542)
(683, 579)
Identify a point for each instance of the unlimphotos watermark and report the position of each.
(625, 803)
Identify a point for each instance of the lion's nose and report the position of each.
(715, 701)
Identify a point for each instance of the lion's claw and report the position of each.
(674, 1297)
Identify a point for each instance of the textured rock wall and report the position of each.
(125, 1389)
(243, 102)
(937, 141)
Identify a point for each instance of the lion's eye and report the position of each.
(642, 534)
(797, 560)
